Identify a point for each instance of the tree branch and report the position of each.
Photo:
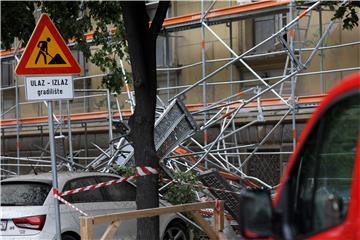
(158, 20)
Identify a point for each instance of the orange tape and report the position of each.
(294, 133)
(206, 136)
(302, 14)
(291, 33)
(240, 93)
(227, 114)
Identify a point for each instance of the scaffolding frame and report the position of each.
(222, 113)
(221, 116)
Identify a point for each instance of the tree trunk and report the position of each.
(142, 48)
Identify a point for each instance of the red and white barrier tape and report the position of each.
(55, 193)
(143, 171)
(207, 212)
(94, 186)
(140, 171)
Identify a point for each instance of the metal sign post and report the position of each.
(54, 168)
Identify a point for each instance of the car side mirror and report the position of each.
(256, 213)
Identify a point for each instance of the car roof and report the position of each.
(63, 177)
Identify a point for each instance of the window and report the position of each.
(123, 191)
(24, 193)
(264, 27)
(94, 195)
(324, 172)
(7, 73)
(79, 57)
(163, 51)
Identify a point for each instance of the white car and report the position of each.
(27, 207)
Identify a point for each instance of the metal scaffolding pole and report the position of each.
(225, 101)
(108, 97)
(17, 111)
(212, 151)
(128, 92)
(167, 64)
(71, 156)
(203, 70)
(231, 75)
(293, 79)
(53, 169)
(321, 54)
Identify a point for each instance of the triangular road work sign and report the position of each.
(46, 52)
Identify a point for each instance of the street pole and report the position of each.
(54, 169)
(17, 113)
(321, 54)
(69, 133)
(293, 80)
(203, 59)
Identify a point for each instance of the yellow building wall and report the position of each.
(335, 58)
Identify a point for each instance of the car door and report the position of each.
(90, 202)
(120, 197)
(321, 193)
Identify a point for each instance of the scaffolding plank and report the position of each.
(226, 14)
(303, 101)
(212, 179)
(172, 127)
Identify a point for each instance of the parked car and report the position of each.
(319, 194)
(27, 207)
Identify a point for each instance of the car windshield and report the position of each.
(23, 193)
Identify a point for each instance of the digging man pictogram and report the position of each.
(43, 45)
(43, 51)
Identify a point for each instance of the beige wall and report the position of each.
(336, 58)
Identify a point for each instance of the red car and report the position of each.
(319, 194)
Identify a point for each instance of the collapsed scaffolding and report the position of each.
(178, 124)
